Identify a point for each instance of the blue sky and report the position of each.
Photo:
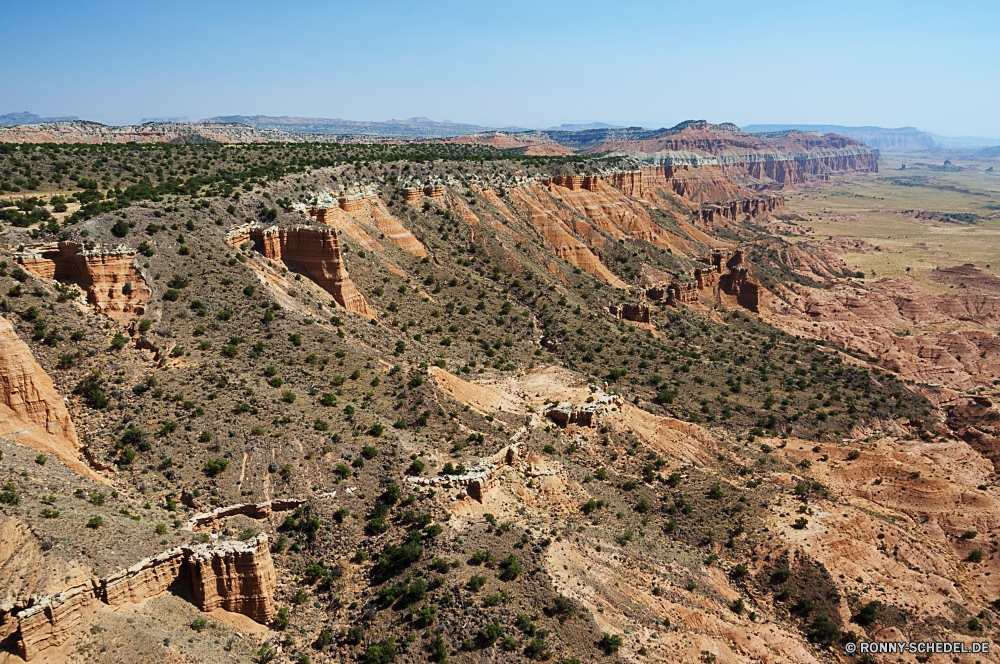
(931, 65)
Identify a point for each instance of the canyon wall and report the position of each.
(554, 225)
(608, 208)
(315, 252)
(114, 287)
(31, 411)
(337, 218)
(235, 576)
(354, 210)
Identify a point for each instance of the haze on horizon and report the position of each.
(891, 64)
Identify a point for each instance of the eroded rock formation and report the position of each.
(263, 510)
(352, 211)
(235, 576)
(316, 253)
(31, 411)
(114, 287)
(636, 312)
(554, 225)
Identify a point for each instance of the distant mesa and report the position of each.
(181, 118)
(888, 140)
(25, 118)
(411, 129)
(902, 138)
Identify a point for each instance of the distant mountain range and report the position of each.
(23, 118)
(887, 140)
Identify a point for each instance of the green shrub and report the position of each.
(215, 467)
(868, 614)
(490, 634)
(9, 494)
(610, 642)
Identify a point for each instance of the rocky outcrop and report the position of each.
(31, 411)
(575, 182)
(263, 510)
(316, 253)
(740, 209)
(434, 192)
(114, 287)
(699, 184)
(739, 284)
(351, 204)
(636, 312)
(235, 576)
(583, 417)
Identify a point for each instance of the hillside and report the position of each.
(455, 402)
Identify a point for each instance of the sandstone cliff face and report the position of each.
(554, 225)
(391, 227)
(31, 411)
(636, 312)
(338, 219)
(316, 252)
(236, 576)
(114, 287)
(695, 184)
(354, 211)
(608, 208)
(753, 161)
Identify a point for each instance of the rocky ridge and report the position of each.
(235, 576)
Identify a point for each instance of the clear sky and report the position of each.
(934, 65)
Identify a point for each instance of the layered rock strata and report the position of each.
(235, 576)
(608, 208)
(636, 312)
(368, 209)
(338, 219)
(393, 229)
(114, 287)
(316, 253)
(555, 225)
(31, 411)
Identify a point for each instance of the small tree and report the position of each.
(610, 642)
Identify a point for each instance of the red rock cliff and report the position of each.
(31, 411)
(104, 273)
(316, 252)
(236, 576)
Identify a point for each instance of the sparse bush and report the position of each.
(610, 642)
